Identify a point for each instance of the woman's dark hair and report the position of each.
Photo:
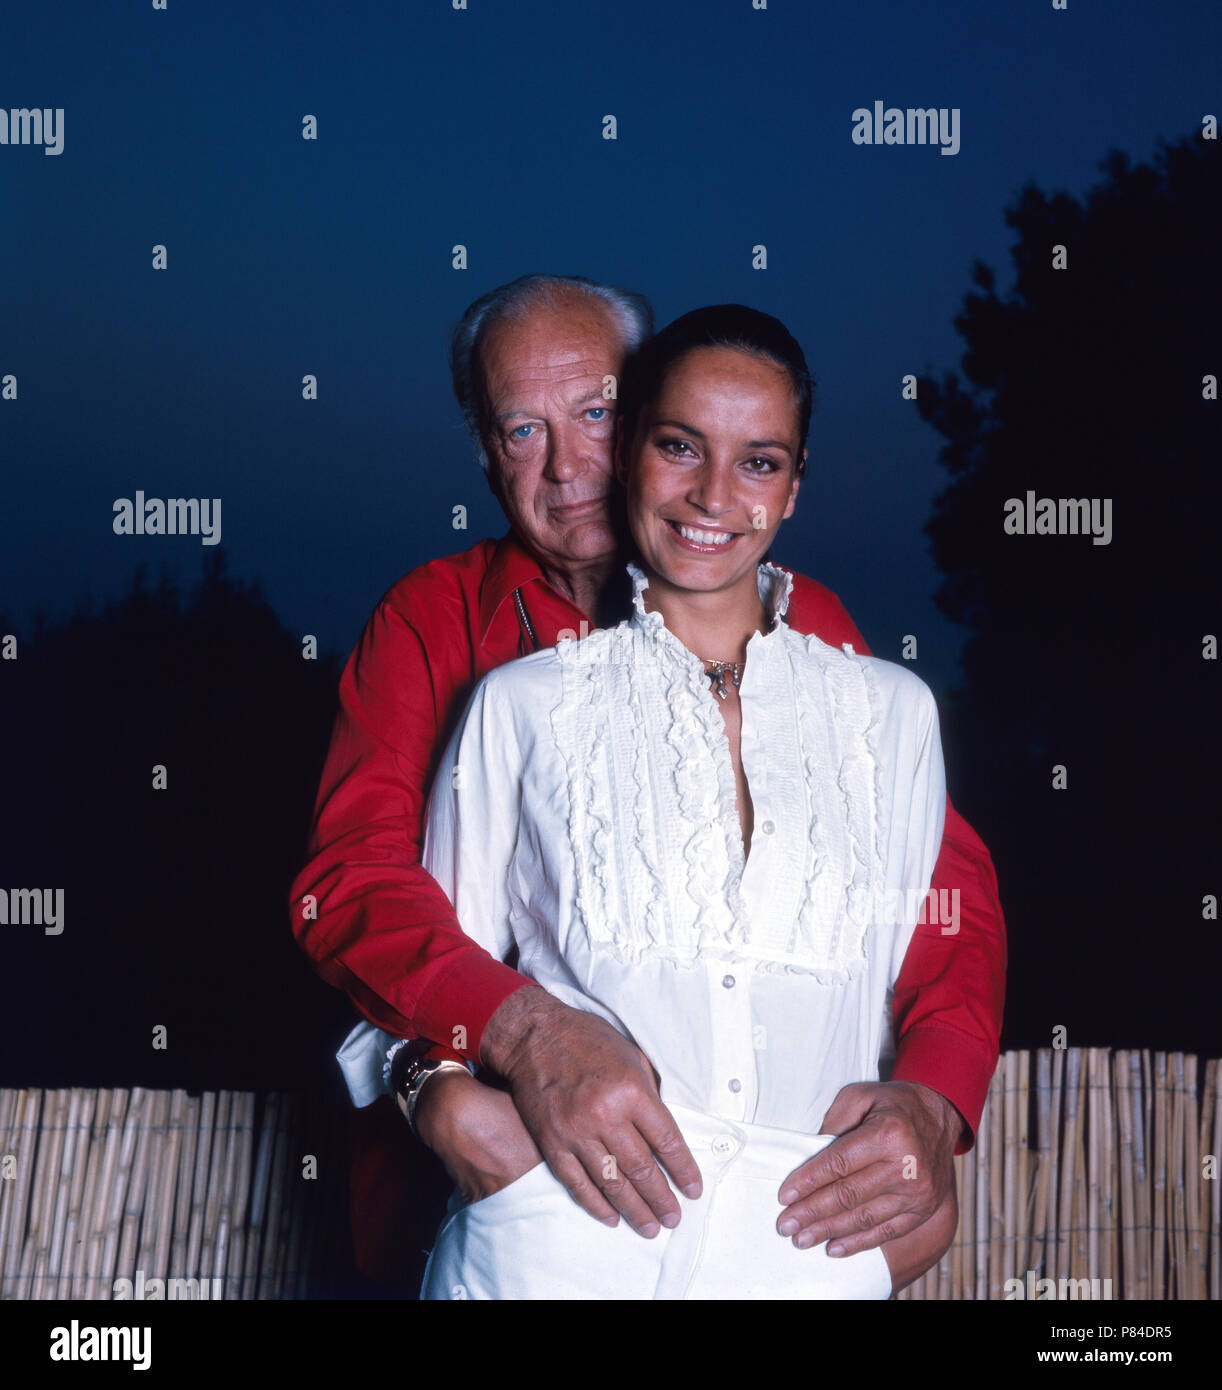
(720, 325)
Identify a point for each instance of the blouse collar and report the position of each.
(775, 585)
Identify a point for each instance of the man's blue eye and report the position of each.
(518, 433)
(597, 412)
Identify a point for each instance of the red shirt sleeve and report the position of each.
(948, 1000)
(364, 910)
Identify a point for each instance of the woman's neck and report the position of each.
(717, 624)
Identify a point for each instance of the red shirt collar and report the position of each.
(511, 565)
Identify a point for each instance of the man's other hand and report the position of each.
(911, 1255)
(888, 1172)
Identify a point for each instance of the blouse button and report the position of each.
(767, 827)
(736, 1085)
(728, 981)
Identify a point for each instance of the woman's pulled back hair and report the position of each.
(719, 325)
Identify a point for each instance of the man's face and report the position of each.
(550, 431)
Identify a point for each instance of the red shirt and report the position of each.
(380, 927)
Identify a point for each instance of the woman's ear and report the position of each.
(793, 489)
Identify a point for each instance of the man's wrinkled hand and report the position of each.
(589, 1098)
(889, 1170)
(911, 1255)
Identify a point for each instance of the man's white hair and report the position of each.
(632, 312)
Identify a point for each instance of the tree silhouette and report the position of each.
(175, 900)
(1087, 382)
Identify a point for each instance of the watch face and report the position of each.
(405, 1069)
(418, 1070)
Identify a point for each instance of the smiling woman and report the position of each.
(604, 825)
(719, 404)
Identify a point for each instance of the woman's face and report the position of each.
(711, 473)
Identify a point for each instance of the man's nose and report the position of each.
(570, 453)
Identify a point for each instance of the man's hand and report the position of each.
(911, 1255)
(887, 1173)
(476, 1132)
(589, 1099)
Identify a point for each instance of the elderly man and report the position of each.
(535, 364)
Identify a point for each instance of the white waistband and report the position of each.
(770, 1149)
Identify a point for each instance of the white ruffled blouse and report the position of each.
(585, 810)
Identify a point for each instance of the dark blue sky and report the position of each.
(484, 127)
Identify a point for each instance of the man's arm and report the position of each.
(370, 918)
(946, 1010)
(948, 1000)
(378, 925)
(586, 1093)
(949, 996)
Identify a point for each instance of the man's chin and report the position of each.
(589, 538)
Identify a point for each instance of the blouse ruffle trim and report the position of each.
(597, 671)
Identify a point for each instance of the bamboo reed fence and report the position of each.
(226, 1194)
(1122, 1185)
(1103, 1167)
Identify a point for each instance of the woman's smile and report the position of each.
(700, 539)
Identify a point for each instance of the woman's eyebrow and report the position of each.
(679, 425)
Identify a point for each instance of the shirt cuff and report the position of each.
(948, 1062)
(461, 1000)
(361, 1058)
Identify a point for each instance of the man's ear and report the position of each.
(491, 477)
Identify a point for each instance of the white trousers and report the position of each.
(530, 1240)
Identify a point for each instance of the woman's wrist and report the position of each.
(437, 1103)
